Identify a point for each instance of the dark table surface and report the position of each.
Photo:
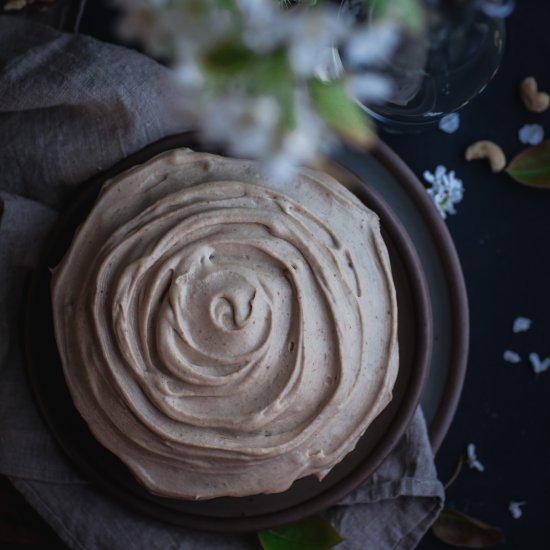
(502, 234)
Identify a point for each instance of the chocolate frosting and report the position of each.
(223, 334)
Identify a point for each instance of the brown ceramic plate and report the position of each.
(307, 496)
(389, 176)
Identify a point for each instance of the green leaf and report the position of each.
(273, 76)
(314, 533)
(228, 58)
(232, 64)
(458, 529)
(532, 166)
(409, 12)
(228, 5)
(340, 112)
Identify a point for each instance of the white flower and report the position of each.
(450, 123)
(309, 35)
(521, 324)
(446, 189)
(368, 86)
(531, 134)
(258, 16)
(258, 11)
(245, 125)
(471, 458)
(219, 52)
(515, 508)
(371, 44)
(301, 144)
(511, 356)
(188, 74)
(538, 365)
(166, 28)
(365, 48)
(330, 66)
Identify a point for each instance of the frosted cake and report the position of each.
(222, 334)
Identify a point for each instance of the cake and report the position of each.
(223, 334)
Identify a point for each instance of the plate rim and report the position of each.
(456, 285)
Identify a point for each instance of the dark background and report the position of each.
(502, 234)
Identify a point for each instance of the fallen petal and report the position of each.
(531, 134)
(538, 365)
(472, 460)
(521, 324)
(515, 508)
(450, 123)
(511, 356)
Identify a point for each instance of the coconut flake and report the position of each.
(511, 356)
(521, 324)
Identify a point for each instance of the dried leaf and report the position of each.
(458, 529)
(532, 166)
(314, 533)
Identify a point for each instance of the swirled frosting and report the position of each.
(225, 335)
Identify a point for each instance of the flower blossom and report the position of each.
(244, 70)
(446, 189)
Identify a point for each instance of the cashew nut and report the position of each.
(489, 150)
(533, 99)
